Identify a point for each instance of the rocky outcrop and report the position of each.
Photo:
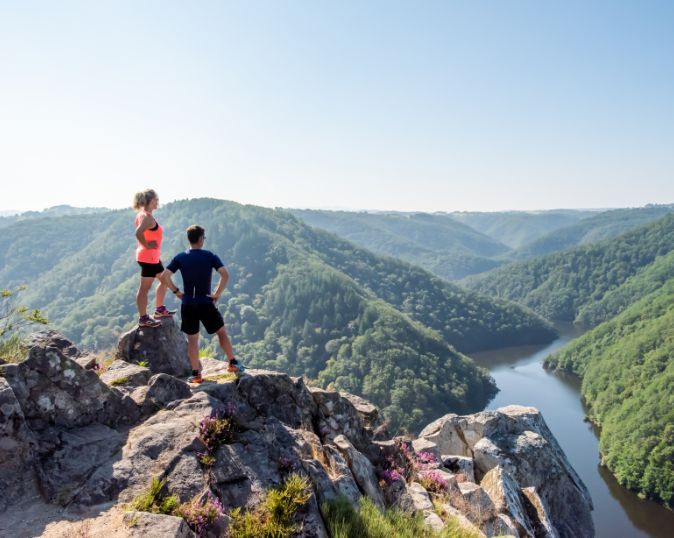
(92, 447)
(517, 440)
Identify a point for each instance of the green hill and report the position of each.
(560, 286)
(435, 242)
(593, 229)
(628, 384)
(299, 300)
(517, 228)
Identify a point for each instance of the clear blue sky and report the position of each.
(352, 104)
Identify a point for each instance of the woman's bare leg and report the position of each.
(161, 291)
(141, 294)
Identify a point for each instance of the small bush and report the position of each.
(219, 428)
(274, 518)
(200, 515)
(155, 499)
(433, 481)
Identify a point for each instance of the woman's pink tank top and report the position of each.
(148, 255)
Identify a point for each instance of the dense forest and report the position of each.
(628, 384)
(604, 225)
(435, 242)
(300, 300)
(559, 286)
(517, 228)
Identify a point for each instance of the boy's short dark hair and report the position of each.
(194, 233)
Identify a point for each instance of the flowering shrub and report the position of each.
(433, 481)
(426, 459)
(392, 475)
(200, 515)
(219, 428)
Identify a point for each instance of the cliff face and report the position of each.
(77, 448)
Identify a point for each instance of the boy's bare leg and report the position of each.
(193, 351)
(225, 344)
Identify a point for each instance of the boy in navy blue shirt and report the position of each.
(196, 266)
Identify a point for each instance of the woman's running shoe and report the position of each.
(147, 321)
(163, 312)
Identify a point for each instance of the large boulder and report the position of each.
(54, 390)
(518, 439)
(161, 349)
(51, 338)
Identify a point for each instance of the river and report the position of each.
(519, 374)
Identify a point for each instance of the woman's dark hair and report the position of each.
(194, 233)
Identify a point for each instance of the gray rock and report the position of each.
(424, 445)
(502, 526)
(460, 465)
(342, 478)
(164, 389)
(477, 506)
(123, 373)
(463, 522)
(79, 453)
(17, 447)
(163, 349)
(146, 525)
(421, 500)
(53, 390)
(339, 416)
(538, 514)
(278, 395)
(505, 494)
(362, 470)
(156, 448)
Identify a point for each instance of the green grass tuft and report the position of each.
(155, 500)
(274, 518)
(344, 521)
(120, 381)
(13, 349)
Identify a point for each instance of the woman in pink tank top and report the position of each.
(149, 236)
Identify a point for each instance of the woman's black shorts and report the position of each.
(150, 269)
(208, 314)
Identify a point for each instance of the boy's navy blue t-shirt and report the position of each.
(196, 267)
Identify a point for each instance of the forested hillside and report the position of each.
(604, 225)
(55, 211)
(300, 300)
(560, 286)
(435, 242)
(628, 384)
(517, 228)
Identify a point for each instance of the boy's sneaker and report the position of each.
(195, 378)
(147, 321)
(163, 312)
(235, 367)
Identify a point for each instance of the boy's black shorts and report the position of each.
(150, 269)
(207, 314)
